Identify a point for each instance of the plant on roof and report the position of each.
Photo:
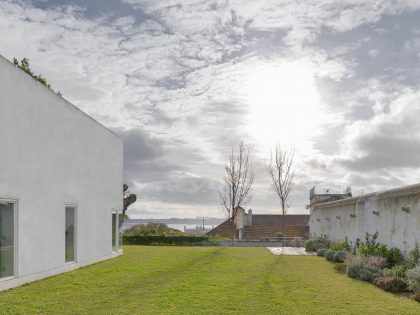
(24, 65)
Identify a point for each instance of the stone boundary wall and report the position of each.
(394, 213)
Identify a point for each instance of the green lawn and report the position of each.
(199, 280)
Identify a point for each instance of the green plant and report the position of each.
(317, 242)
(378, 250)
(152, 229)
(396, 271)
(395, 257)
(391, 284)
(371, 247)
(332, 255)
(357, 269)
(329, 254)
(353, 268)
(24, 65)
(279, 235)
(370, 274)
(165, 239)
(339, 256)
(413, 278)
(414, 256)
(340, 267)
(341, 245)
(338, 246)
(321, 252)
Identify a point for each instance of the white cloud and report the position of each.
(175, 71)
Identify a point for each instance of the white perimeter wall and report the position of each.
(52, 154)
(396, 227)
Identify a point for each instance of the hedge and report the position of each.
(188, 240)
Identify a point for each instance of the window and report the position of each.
(7, 239)
(70, 235)
(115, 231)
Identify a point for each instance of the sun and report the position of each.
(284, 104)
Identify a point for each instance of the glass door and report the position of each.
(70, 234)
(7, 242)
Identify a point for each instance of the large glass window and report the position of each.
(70, 234)
(7, 242)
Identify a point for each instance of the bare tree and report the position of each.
(238, 179)
(281, 170)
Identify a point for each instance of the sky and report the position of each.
(182, 82)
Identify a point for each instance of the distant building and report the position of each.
(250, 226)
(327, 195)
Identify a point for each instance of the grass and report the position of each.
(204, 280)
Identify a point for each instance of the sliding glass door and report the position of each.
(7, 239)
(70, 234)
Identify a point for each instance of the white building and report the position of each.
(60, 183)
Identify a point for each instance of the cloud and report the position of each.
(170, 78)
(390, 139)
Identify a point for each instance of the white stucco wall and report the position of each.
(52, 154)
(353, 217)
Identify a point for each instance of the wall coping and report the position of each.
(394, 192)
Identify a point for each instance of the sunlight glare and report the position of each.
(284, 104)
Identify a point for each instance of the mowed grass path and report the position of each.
(203, 280)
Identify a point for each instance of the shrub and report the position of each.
(379, 250)
(321, 251)
(340, 256)
(357, 269)
(353, 268)
(395, 257)
(338, 246)
(317, 242)
(279, 235)
(165, 240)
(391, 284)
(152, 229)
(329, 254)
(414, 256)
(340, 267)
(370, 274)
(374, 261)
(332, 255)
(371, 261)
(413, 279)
(371, 247)
(396, 271)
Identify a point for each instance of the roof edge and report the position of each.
(63, 99)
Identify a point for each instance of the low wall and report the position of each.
(395, 214)
(284, 243)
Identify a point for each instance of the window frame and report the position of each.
(74, 206)
(13, 201)
(118, 213)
